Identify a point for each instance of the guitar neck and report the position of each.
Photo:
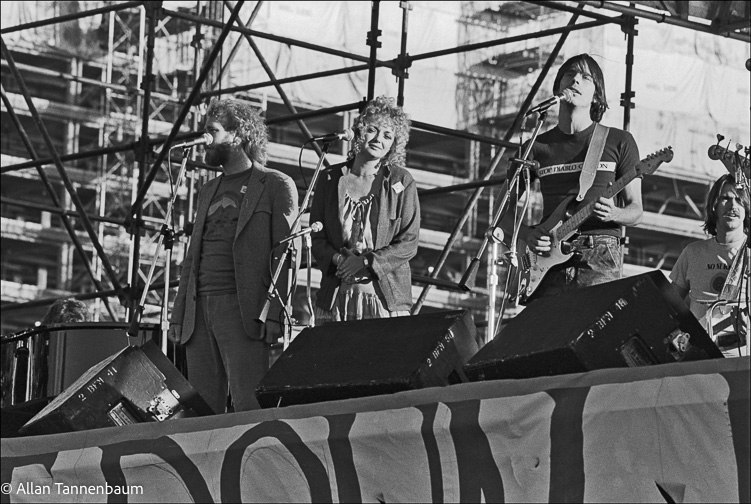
(572, 224)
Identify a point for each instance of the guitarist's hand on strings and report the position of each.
(537, 239)
(605, 210)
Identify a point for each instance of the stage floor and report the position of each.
(673, 432)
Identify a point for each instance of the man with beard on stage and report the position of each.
(227, 271)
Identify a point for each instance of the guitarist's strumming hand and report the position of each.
(537, 239)
(605, 209)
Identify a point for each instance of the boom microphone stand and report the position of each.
(271, 294)
(495, 235)
(166, 238)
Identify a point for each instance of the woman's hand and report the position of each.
(349, 265)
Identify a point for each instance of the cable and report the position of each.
(276, 292)
(299, 164)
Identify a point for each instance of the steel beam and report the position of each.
(495, 162)
(287, 80)
(114, 149)
(662, 18)
(61, 170)
(186, 108)
(282, 94)
(58, 206)
(375, 44)
(268, 36)
(235, 48)
(71, 17)
(509, 40)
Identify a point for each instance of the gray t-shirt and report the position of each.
(702, 268)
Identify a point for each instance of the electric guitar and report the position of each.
(735, 164)
(563, 224)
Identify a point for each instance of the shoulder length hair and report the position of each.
(713, 197)
(384, 110)
(585, 63)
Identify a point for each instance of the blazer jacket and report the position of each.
(397, 236)
(267, 212)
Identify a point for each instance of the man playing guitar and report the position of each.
(560, 153)
(713, 274)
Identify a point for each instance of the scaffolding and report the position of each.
(135, 77)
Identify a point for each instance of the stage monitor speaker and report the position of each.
(636, 321)
(137, 384)
(343, 360)
(74, 350)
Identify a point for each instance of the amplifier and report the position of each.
(137, 384)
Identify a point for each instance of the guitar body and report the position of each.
(564, 222)
(534, 267)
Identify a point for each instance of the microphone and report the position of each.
(314, 228)
(205, 139)
(565, 95)
(347, 135)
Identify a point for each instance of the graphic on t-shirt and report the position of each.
(226, 200)
(222, 215)
(607, 166)
(718, 281)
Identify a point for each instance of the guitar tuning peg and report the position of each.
(727, 149)
(738, 147)
(720, 138)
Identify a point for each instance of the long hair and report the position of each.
(246, 122)
(379, 111)
(584, 63)
(713, 197)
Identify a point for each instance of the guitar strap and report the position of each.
(730, 290)
(592, 159)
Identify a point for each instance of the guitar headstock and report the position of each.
(734, 161)
(649, 164)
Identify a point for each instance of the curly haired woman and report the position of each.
(371, 222)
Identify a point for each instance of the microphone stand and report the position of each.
(309, 260)
(166, 238)
(270, 294)
(287, 328)
(492, 234)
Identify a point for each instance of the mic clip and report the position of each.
(510, 257)
(526, 162)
